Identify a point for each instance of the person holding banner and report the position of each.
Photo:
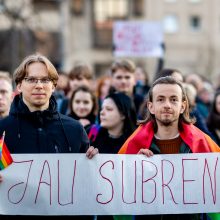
(168, 129)
(33, 124)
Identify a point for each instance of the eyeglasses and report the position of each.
(32, 80)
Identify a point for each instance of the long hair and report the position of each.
(127, 108)
(86, 90)
(168, 80)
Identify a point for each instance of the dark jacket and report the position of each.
(215, 135)
(104, 142)
(42, 131)
(91, 118)
(200, 121)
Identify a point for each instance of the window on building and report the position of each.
(2, 8)
(105, 13)
(40, 5)
(108, 11)
(48, 43)
(138, 7)
(170, 23)
(195, 23)
(77, 7)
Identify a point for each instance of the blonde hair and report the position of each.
(21, 72)
(81, 70)
(125, 64)
(191, 93)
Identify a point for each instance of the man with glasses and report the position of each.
(33, 124)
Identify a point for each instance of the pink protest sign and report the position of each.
(137, 39)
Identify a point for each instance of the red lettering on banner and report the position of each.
(213, 190)
(135, 183)
(112, 188)
(184, 180)
(43, 182)
(167, 184)
(16, 185)
(146, 182)
(72, 188)
(149, 179)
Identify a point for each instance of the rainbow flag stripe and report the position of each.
(1, 144)
(5, 159)
(214, 216)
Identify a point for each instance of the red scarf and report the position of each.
(142, 137)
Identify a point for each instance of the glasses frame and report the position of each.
(34, 81)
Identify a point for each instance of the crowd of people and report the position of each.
(120, 112)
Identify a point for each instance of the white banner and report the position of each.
(138, 39)
(71, 184)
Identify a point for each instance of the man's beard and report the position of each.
(166, 122)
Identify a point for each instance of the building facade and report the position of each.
(68, 31)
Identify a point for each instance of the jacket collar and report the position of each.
(20, 109)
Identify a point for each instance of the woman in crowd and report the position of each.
(83, 106)
(213, 120)
(117, 122)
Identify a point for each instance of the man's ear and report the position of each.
(183, 107)
(19, 87)
(150, 107)
(53, 88)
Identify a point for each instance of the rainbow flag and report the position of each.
(5, 156)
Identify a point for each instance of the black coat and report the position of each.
(107, 144)
(42, 131)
